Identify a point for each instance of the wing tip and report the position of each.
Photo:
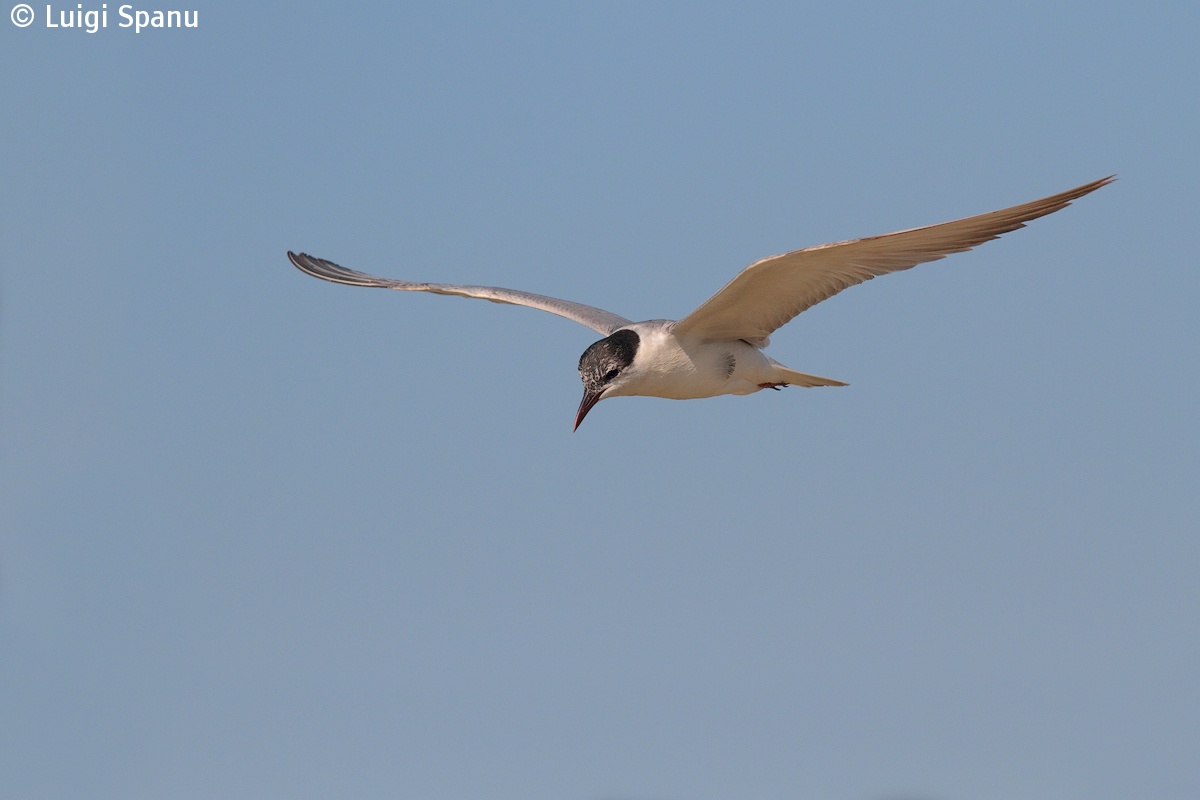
(328, 271)
(1071, 195)
(317, 267)
(1098, 184)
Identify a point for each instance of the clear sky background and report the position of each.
(262, 536)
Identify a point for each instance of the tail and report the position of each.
(793, 378)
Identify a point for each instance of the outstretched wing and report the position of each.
(769, 293)
(597, 319)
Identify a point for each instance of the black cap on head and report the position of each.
(601, 363)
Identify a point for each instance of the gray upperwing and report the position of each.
(597, 319)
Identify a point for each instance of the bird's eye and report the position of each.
(612, 373)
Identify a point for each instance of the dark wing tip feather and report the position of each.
(329, 271)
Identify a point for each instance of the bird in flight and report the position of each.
(717, 349)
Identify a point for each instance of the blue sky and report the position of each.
(262, 536)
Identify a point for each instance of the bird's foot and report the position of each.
(774, 386)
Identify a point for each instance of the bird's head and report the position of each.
(601, 367)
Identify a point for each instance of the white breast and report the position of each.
(682, 369)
